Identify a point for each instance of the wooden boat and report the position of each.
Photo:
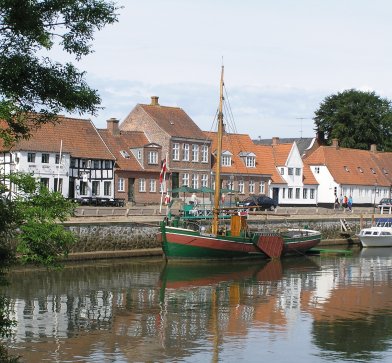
(221, 240)
(379, 235)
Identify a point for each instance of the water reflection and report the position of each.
(314, 309)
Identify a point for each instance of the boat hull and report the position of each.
(181, 243)
(376, 236)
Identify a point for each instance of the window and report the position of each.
(57, 159)
(44, 182)
(251, 186)
(250, 161)
(290, 171)
(153, 185)
(290, 193)
(83, 163)
(360, 169)
(204, 180)
(176, 151)
(96, 164)
(58, 187)
(317, 170)
(262, 187)
(83, 188)
(230, 185)
(312, 193)
(95, 187)
(139, 154)
(241, 187)
(195, 181)
(297, 193)
(281, 171)
(152, 157)
(226, 160)
(372, 170)
(204, 154)
(346, 168)
(108, 164)
(120, 185)
(45, 158)
(124, 154)
(185, 179)
(297, 171)
(142, 185)
(305, 193)
(107, 188)
(72, 163)
(283, 193)
(31, 157)
(195, 152)
(185, 149)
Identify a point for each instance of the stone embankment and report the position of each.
(124, 232)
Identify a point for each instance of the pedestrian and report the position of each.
(345, 201)
(341, 200)
(336, 204)
(350, 203)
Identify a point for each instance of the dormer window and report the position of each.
(360, 169)
(385, 171)
(249, 158)
(347, 169)
(124, 154)
(372, 170)
(153, 157)
(226, 158)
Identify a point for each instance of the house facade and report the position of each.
(299, 186)
(184, 146)
(138, 164)
(366, 175)
(67, 156)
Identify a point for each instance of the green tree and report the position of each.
(357, 119)
(29, 80)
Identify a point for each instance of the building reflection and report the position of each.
(150, 311)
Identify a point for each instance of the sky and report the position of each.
(281, 59)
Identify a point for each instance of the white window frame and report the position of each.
(317, 170)
(298, 171)
(312, 193)
(185, 152)
(107, 188)
(251, 186)
(31, 157)
(176, 151)
(152, 157)
(250, 161)
(262, 187)
(305, 193)
(195, 152)
(153, 185)
(204, 154)
(121, 185)
(281, 171)
(185, 179)
(195, 181)
(297, 193)
(226, 160)
(142, 185)
(241, 187)
(290, 171)
(95, 184)
(290, 193)
(204, 180)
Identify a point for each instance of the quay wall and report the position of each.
(113, 238)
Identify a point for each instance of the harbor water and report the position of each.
(324, 308)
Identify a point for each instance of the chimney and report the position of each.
(154, 101)
(373, 148)
(275, 140)
(320, 137)
(112, 126)
(335, 143)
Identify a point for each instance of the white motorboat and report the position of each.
(379, 235)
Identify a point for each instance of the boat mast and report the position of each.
(215, 220)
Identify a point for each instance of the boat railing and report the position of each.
(383, 222)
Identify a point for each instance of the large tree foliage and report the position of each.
(357, 119)
(29, 80)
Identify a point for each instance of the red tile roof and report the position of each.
(352, 166)
(124, 141)
(79, 136)
(173, 120)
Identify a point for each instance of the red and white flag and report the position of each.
(163, 171)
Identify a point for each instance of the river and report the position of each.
(325, 308)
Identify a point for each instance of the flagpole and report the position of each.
(58, 172)
(163, 182)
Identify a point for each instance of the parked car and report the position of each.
(262, 202)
